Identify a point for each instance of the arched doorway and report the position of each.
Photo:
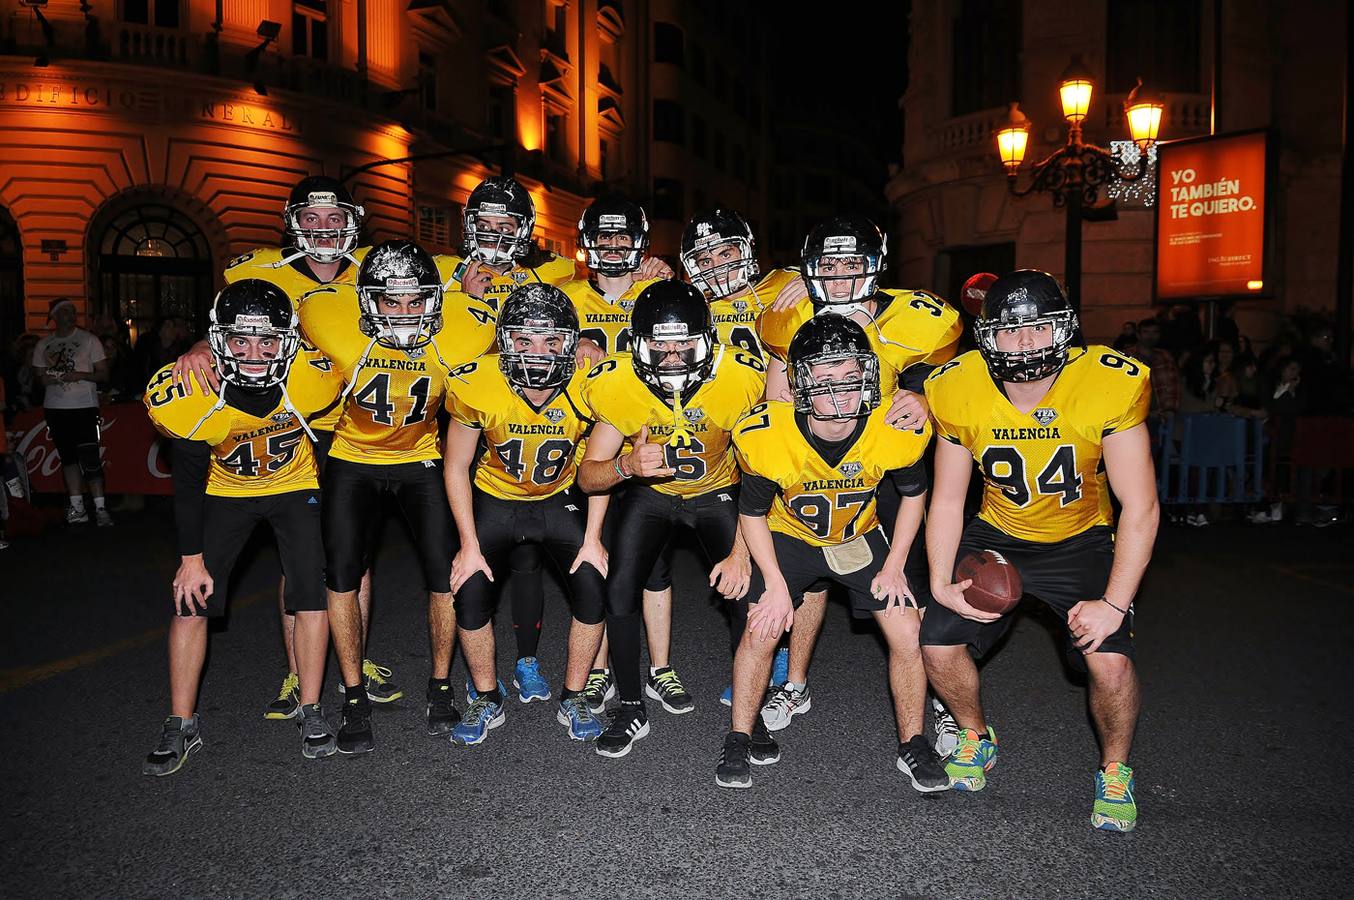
(154, 262)
(11, 282)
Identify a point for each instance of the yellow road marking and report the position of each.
(23, 676)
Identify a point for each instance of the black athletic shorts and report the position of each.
(295, 519)
(916, 570)
(1061, 574)
(555, 524)
(323, 441)
(70, 428)
(525, 559)
(352, 512)
(643, 523)
(803, 565)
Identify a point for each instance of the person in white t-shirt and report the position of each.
(70, 362)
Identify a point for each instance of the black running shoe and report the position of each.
(918, 760)
(629, 721)
(317, 738)
(762, 747)
(442, 712)
(734, 770)
(355, 734)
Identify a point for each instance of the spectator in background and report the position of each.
(1321, 372)
(70, 363)
(1165, 374)
(157, 348)
(1182, 331)
(25, 391)
(1225, 329)
(1200, 382)
(125, 381)
(1284, 399)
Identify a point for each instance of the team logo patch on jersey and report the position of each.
(554, 415)
(740, 306)
(1044, 414)
(520, 277)
(626, 305)
(281, 417)
(693, 415)
(850, 469)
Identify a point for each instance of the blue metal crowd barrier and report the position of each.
(1218, 458)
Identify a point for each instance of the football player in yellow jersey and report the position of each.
(242, 457)
(321, 222)
(524, 403)
(808, 513)
(1054, 430)
(676, 396)
(614, 234)
(500, 254)
(911, 332)
(396, 340)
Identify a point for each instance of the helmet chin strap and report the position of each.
(288, 260)
(681, 434)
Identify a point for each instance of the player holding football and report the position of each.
(911, 332)
(524, 404)
(675, 397)
(1054, 428)
(242, 457)
(396, 339)
(808, 514)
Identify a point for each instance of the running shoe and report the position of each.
(528, 680)
(79, 517)
(179, 739)
(762, 747)
(482, 715)
(599, 688)
(471, 693)
(727, 697)
(629, 721)
(575, 713)
(971, 760)
(918, 760)
(1115, 808)
(442, 712)
(288, 702)
(780, 667)
(317, 738)
(665, 687)
(103, 518)
(376, 679)
(355, 735)
(784, 703)
(734, 769)
(947, 729)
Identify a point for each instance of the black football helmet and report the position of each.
(253, 308)
(671, 311)
(537, 309)
(322, 192)
(399, 268)
(499, 196)
(613, 215)
(708, 232)
(1025, 297)
(836, 243)
(838, 342)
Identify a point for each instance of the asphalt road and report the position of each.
(1242, 646)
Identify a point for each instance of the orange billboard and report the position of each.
(1210, 235)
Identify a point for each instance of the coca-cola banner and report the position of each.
(135, 460)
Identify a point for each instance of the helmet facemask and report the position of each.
(533, 370)
(493, 247)
(401, 331)
(833, 290)
(660, 372)
(232, 368)
(864, 383)
(324, 245)
(630, 257)
(1026, 365)
(721, 279)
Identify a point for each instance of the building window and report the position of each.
(667, 200)
(1157, 39)
(556, 137)
(721, 81)
(603, 154)
(667, 43)
(698, 137)
(698, 64)
(719, 150)
(669, 122)
(817, 190)
(438, 227)
(500, 111)
(154, 263)
(427, 80)
(986, 55)
(160, 13)
(555, 23)
(310, 28)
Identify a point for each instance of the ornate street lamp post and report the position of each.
(1075, 173)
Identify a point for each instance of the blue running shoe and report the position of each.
(471, 693)
(528, 681)
(780, 668)
(727, 697)
(482, 715)
(583, 725)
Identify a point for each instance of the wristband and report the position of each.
(619, 471)
(1122, 612)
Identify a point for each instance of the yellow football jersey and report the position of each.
(820, 504)
(528, 452)
(735, 319)
(252, 456)
(391, 397)
(1042, 472)
(266, 264)
(696, 431)
(601, 320)
(556, 270)
(914, 327)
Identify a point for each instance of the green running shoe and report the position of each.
(970, 762)
(1114, 809)
(288, 702)
(376, 680)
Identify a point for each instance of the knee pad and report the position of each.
(91, 466)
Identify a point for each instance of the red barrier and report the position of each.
(135, 461)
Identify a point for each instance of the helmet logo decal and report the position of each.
(322, 198)
(243, 321)
(403, 285)
(703, 229)
(843, 243)
(611, 221)
(668, 331)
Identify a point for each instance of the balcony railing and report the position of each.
(146, 45)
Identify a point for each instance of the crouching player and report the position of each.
(811, 469)
(242, 457)
(524, 403)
